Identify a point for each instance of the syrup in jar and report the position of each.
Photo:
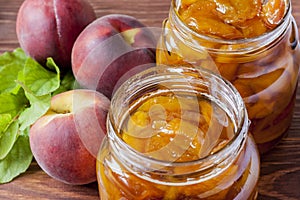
(251, 43)
(177, 133)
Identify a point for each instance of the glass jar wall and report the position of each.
(177, 133)
(257, 52)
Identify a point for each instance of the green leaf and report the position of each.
(17, 161)
(17, 56)
(8, 76)
(11, 63)
(39, 80)
(8, 139)
(52, 65)
(24, 132)
(39, 105)
(12, 104)
(67, 83)
(5, 120)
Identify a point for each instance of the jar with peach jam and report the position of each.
(251, 43)
(177, 133)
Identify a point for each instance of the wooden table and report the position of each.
(280, 168)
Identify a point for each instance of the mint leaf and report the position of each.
(52, 65)
(39, 105)
(8, 139)
(10, 65)
(39, 80)
(24, 132)
(17, 56)
(17, 160)
(12, 103)
(8, 75)
(67, 83)
(5, 119)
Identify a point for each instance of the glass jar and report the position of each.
(177, 133)
(263, 68)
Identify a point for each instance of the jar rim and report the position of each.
(264, 37)
(237, 140)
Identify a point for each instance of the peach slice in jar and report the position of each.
(202, 17)
(237, 11)
(273, 12)
(253, 27)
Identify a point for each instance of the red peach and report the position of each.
(111, 49)
(65, 141)
(50, 28)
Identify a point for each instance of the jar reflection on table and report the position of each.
(264, 68)
(177, 133)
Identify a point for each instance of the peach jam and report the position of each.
(251, 43)
(177, 133)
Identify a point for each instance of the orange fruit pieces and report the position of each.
(273, 12)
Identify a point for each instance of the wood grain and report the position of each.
(280, 168)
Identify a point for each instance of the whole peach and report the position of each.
(111, 49)
(65, 141)
(50, 28)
